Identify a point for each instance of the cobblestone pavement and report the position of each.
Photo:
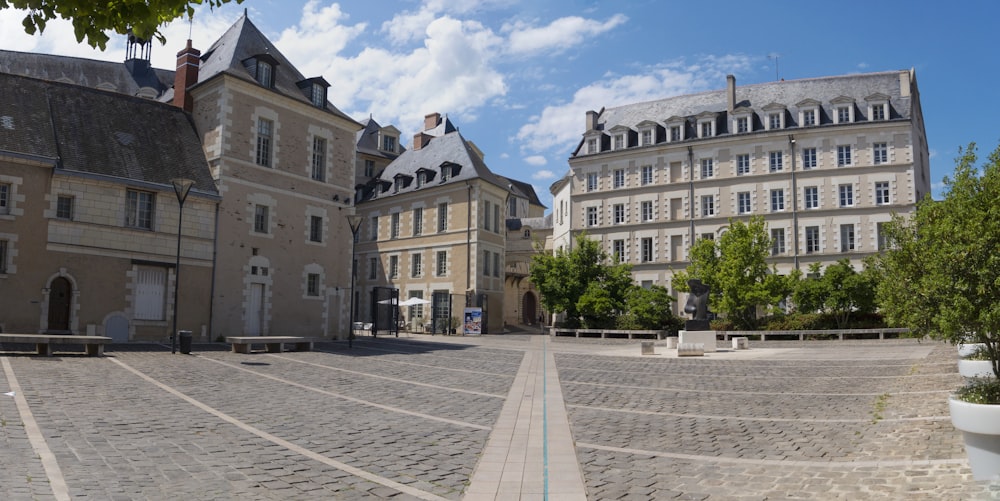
(407, 418)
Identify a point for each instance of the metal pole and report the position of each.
(177, 275)
(354, 246)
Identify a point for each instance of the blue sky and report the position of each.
(517, 76)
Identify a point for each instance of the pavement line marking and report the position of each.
(743, 392)
(351, 399)
(358, 472)
(778, 462)
(545, 419)
(397, 380)
(438, 367)
(56, 480)
(751, 376)
(750, 418)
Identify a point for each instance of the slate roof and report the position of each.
(243, 41)
(525, 190)
(366, 140)
(102, 133)
(125, 78)
(788, 93)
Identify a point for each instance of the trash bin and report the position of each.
(184, 338)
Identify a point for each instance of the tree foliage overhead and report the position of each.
(91, 19)
(941, 276)
(838, 291)
(735, 268)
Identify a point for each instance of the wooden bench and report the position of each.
(43, 342)
(273, 344)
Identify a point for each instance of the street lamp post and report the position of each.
(181, 188)
(354, 221)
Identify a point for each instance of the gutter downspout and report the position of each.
(691, 204)
(215, 267)
(795, 207)
(468, 243)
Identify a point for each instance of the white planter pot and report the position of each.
(980, 426)
(967, 349)
(975, 368)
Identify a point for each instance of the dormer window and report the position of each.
(742, 125)
(420, 179)
(318, 95)
(398, 184)
(445, 173)
(878, 112)
(742, 120)
(592, 146)
(774, 121)
(263, 68)
(647, 137)
(389, 144)
(808, 118)
(775, 114)
(676, 133)
(619, 141)
(878, 107)
(843, 110)
(265, 74)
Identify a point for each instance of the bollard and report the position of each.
(741, 343)
(647, 348)
(671, 343)
(184, 337)
(691, 350)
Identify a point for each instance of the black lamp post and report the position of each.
(354, 220)
(181, 188)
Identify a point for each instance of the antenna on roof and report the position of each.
(774, 56)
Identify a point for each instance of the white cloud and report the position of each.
(536, 160)
(318, 37)
(560, 126)
(557, 36)
(543, 174)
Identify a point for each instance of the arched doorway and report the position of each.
(529, 309)
(60, 299)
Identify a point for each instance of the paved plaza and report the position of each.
(491, 417)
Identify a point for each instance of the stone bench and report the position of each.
(706, 338)
(690, 350)
(741, 343)
(273, 344)
(94, 345)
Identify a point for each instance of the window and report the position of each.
(707, 205)
(707, 168)
(486, 215)
(591, 216)
(881, 236)
(808, 158)
(373, 227)
(418, 221)
(496, 218)
(647, 137)
(743, 202)
(619, 213)
(139, 209)
(777, 241)
(318, 95)
(647, 249)
(445, 173)
(265, 133)
(647, 210)
(315, 229)
(775, 161)
(808, 117)
(319, 159)
(706, 129)
(707, 236)
(486, 263)
(5, 196)
(742, 125)
(3, 257)
(619, 178)
(372, 268)
(416, 265)
(619, 141)
(882, 193)
(527, 234)
(312, 284)
(592, 145)
(618, 250)
(812, 239)
(442, 217)
(777, 200)
(846, 237)
(265, 73)
(393, 266)
(496, 264)
(646, 175)
(442, 263)
(389, 143)
(150, 293)
(675, 133)
(843, 155)
(64, 207)
(880, 153)
(417, 310)
(774, 121)
(261, 219)
(811, 197)
(742, 165)
(846, 195)
(592, 181)
(394, 226)
(878, 112)
(369, 168)
(844, 114)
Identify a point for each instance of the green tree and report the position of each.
(838, 291)
(735, 268)
(581, 282)
(941, 276)
(92, 19)
(648, 309)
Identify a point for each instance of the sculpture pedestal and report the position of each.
(705, 337)
(696, 325)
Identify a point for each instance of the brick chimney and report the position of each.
(432, 120)
(591, 120)
(188, 61)
(731, 91)
(420, 140)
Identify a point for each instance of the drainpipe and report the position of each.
(215, 260)
(795, 206)
(691, 203)
(468, 241)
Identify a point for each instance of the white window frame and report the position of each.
(416, 265)
(777, 241)
(618, 178)
(591, 217)
(394, 226)
(646, 175)
(874, 115)
(743, 164)
(707, 205)
(809, 158)
(646, 136)
(778, 200)
(442, 216)
(810, 197)
(646, 250)
(265, 142)
(883, 195)
(592, 146)
(848, 240)
(140, 209)
(646, 209)
(618, 250)
(592, 181)
(812, 240)
(776, 161)
(676, 133)
(742, 124)
(706, 128)
(707, 168)
(844, 155)
(319, 159)
(744, 205)
(441, 264)
(618, 213)
(775, 120)
(844, 109)
(880, 153)
(618, 141)
(418, 221)
(846, 195)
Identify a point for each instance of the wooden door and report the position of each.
(60, 297)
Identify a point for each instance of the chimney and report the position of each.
(432, 120)
(731, 91)
(188, 61)
(420, 140)
(591, 120)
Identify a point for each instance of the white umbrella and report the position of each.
(391, 300)
(413, 301)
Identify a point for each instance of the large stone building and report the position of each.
(434, 227)
(825, 161)
(89, 216)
